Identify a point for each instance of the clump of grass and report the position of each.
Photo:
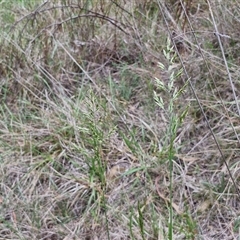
(86, 153)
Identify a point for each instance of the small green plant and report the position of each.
(175, 119)
(137, 220)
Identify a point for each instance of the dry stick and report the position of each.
(195, 94)
(199, 103)
(202, 55)
(223, 55)
(123, 9)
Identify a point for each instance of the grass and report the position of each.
(113, 127)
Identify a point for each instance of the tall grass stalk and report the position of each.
(175, 119)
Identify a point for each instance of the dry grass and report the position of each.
(86, 152)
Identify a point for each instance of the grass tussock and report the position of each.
(119, 120)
